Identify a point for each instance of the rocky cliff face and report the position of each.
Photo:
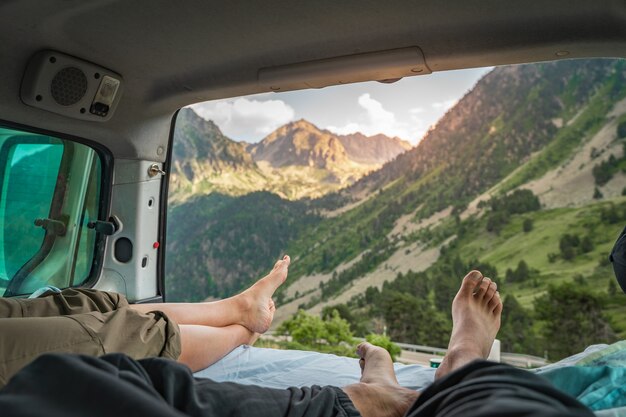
(301, 144)
(201, 151)
(376, 149)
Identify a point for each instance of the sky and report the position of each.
(405, 109)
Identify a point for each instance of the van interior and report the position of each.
(91, 91)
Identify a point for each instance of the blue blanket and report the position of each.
(598, 380)
(597, 377)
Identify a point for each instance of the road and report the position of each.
(416, 358)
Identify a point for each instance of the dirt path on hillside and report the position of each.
(405, 225)
(417, 259)
(312, 282)
(309, 287)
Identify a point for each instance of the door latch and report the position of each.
(155, 170)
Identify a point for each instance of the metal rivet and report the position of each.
(160, 150)
(417, 70)
(562, 53)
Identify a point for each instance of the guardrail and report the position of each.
(421, 348)
(516, 359)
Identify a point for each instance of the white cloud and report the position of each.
(245, 119)
(376, 119)
(416, 110)
(378, 116)
(444, 104)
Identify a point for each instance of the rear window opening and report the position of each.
(385, 196)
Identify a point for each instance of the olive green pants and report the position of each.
(81, 321)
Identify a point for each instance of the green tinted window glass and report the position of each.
(49, 193)
(30, 185)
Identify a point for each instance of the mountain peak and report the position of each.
(301, 143)
(301, 124)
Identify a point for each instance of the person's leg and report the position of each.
(24, 339)
(92, 333)
(253, 308)
(477, 389)
(475, 322)
(489, 389)
(202, 346)
(466, 385)
(118, 385)
(70, 301)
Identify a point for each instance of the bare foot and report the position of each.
(379, 394)
(256, 302)
(476, 311)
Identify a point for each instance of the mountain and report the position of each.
(201, 152)
(376, 149)
(528, 165)
(302, 144)
(295, 161)
(517, 125)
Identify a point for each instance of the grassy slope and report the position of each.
(512, 245)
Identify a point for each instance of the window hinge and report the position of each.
(53, 226)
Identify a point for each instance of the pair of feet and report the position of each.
(476, 311)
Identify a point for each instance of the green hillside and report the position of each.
(470, 151)
(587, 274)
(219, 244)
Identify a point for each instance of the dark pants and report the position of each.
(115, 385)
(487, 389)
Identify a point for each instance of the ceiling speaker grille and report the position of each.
(68, 86)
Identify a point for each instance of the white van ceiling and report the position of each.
(174, 53)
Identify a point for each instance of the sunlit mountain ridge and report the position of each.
(295, 161)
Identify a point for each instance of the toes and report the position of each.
(496, 303)
(491, 291)
(362, 349)
(471, 281)
(498, 309)
(282, 263)
(482, 288)
(493, 301)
